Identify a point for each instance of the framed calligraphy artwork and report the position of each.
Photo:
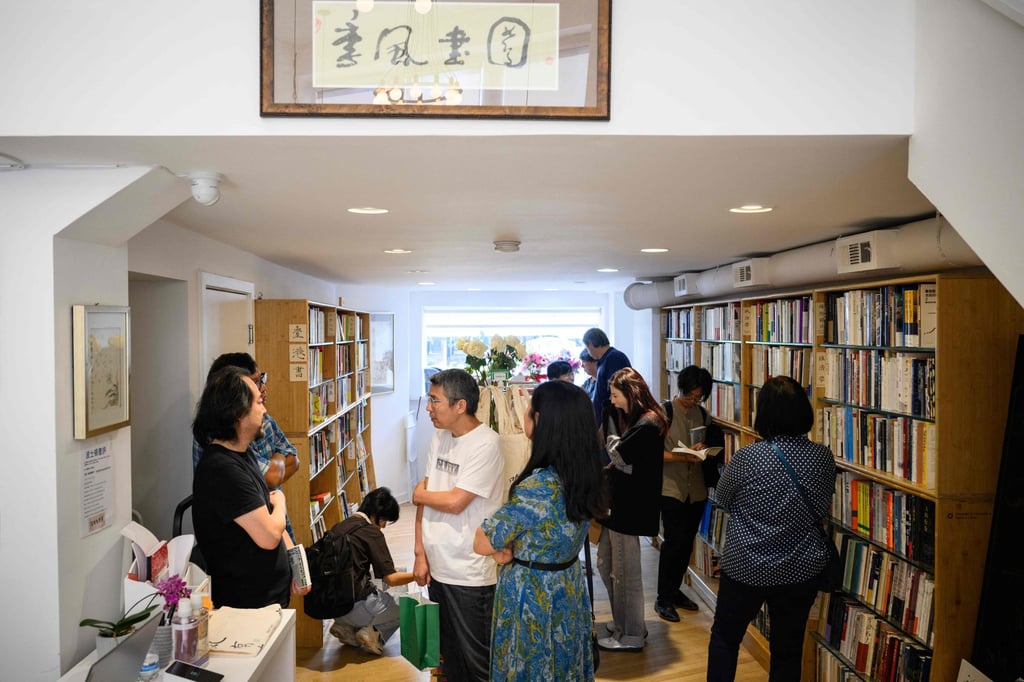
(100, 361)
(452, 59)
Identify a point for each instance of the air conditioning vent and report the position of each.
(863, 252)
(750, 273)
(685, 284)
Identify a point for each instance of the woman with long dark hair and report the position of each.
(542, 624)
(635, 431)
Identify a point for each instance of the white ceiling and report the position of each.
(577, 203)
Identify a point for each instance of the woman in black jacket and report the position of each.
(634, 477)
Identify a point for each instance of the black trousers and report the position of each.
(738, 603)
(465, 618)
(681, 521)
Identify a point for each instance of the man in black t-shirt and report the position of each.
(239, 523)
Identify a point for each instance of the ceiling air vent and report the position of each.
(685, 284)
(750, 273)
(863, 252)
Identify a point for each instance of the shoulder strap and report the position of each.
(703, 414)
(590, 575)
(667, 406)
(796, 482)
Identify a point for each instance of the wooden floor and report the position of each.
(674, 651)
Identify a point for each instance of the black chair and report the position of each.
(179, 512)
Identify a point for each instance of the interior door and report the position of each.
(226, 319)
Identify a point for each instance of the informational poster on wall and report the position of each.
(97, 487)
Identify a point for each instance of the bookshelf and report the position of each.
(913, 405)
(317, 358)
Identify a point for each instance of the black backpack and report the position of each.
(713, 437)
(333, 574)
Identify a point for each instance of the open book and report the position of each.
(702, 454)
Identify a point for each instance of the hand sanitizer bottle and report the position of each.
(185, 633)
(203, 618)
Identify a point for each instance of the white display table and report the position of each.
(276, 663)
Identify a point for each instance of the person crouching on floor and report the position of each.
(374, 616)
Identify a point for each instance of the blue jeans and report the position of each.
(379, 609)
(465, 615)
(738, 603)
(618, 562)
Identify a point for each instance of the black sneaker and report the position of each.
(665, 610)
(684, 602)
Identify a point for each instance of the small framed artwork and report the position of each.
(101, 344)
(423, 58)
(382, 352)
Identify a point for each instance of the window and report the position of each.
(548, 331)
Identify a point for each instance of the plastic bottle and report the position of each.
(203, 616)
(185, 633)
(150, 666)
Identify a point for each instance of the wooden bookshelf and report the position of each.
(316, 356)
(965, 366)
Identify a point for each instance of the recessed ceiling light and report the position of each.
(655, 250)
(751, 208)
(474, 289)
(550, 289)
(416, 272)
(607, 269)
(397, 250)
(367, 210)
(426, 284)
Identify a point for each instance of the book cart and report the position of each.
(909, 379)
(316, 356)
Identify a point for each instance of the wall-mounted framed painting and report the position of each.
(382, 353)
(451, 59)
(100, 363)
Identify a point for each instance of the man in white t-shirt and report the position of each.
(463, 486)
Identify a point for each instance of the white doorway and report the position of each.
(225, 319)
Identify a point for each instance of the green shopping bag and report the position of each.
(419, 625)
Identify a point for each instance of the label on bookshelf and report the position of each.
(297, 333)
(298, 372)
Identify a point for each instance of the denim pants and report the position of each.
(738, 603)
(465, 615)
(379, 609)
(618, 562)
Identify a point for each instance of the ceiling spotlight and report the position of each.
(607, 269)
(368, 210)
(751, 208)
(654, 250)
(205, 186)
(507, 246)
(397, 250)
(426, 284)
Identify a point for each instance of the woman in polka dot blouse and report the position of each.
(773, 551)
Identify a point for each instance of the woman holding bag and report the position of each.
(542, 623)
(634, 478)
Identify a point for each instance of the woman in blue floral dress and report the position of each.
(542, 621)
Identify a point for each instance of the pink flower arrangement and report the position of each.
(534, 363)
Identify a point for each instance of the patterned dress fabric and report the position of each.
(542, 620)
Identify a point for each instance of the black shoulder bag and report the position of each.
(831, 578)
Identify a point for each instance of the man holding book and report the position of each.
(239, 522)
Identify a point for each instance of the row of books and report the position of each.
(782, 321)
(901, 316)
(900, 522)
(706, 560)
(900, 446)
(318, 528)
(320, 449)
(343, 356)
(895, 589)
(678, 324)
(883, 380)
(315, 370)
(724, 402)
(722, 360)
(713, 524)
(320, 400)
(773, 361)
(318, 504)
(871, 645)
(362, 355)
(721, 323)
(678, 355)
(349, 327)
(317, 325)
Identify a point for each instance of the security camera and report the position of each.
(205, 186)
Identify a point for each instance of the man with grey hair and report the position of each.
(464, 485)
(609, 361)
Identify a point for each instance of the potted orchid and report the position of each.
(109, 633)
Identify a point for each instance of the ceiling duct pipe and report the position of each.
(923, 246)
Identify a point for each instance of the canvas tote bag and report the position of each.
(510, 410)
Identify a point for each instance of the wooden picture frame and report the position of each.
(382, 353)
(101, 351)
(459, 59)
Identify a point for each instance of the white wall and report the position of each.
(967, 151)
(689, 68)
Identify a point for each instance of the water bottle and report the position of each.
(150, 666)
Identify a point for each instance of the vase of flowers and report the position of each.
(484, 361)
(534, 365)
